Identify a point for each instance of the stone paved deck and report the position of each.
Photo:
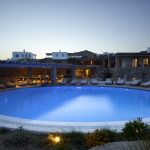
(133, 145)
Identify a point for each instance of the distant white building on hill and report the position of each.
(58, 55)
(64, 55)
(23, 55)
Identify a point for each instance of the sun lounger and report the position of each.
(32, 83)
(22, 83)
(94, 81)
(102, 82)
(108, 81)
(10, 85)
(146, 84)
(83, 81)
(64, 81)
(45, 83)
(135, 82)
(120, 82)
(73, 82)
(2, 86)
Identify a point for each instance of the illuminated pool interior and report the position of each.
(75, 104)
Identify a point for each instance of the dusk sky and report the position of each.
(42, 26)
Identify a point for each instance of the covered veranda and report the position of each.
(31, 73)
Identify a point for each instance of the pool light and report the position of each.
(55, 139)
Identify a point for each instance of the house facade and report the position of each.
(84, 64)
(134, 60)
(16, 55)
(118, 65)
(132, 65)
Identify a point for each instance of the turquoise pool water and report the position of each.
(75, 104)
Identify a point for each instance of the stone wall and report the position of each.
(129, 73)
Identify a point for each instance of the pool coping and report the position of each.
(97, 85)
(54, 126)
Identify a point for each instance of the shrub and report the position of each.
(41, 141)
(136, 130)
(18, 138)
(100, 137)
(63, 147)
(74, 138)
(4, 130)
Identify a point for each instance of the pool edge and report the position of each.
(51, 126)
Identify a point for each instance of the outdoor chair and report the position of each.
(108, 81)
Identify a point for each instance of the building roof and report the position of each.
(26, 52)
(89, 54)
(13, 64)
(85, 53)
(133, 54)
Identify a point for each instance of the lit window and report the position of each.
(134, 62)
(145, 61)
(87, 72)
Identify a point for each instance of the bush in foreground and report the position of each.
(133, 130)
(18, 138)
(100, 137)
(74, 138)
(136, 130)
(4, 130)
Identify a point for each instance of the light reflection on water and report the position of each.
(81, 107)
(81, 104)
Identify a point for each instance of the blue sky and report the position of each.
(42, 26)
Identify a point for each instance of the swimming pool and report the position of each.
(75, 104)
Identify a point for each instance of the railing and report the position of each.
(39, 64)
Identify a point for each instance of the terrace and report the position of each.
(43, 72)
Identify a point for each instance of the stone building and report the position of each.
(84, 64)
